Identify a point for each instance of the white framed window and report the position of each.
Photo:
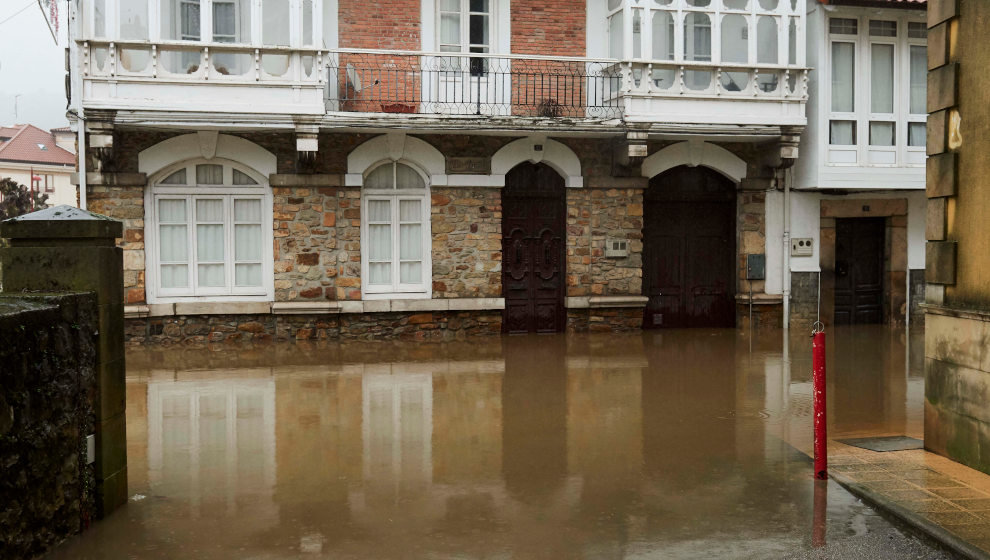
(465, 26)
(877, 67)
(185, 20)
(208, 234)
(395, 232)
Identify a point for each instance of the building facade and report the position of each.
(438, 168)
(855, 242)
(41, 160)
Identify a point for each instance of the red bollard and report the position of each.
(818, 384)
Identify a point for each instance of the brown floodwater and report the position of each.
(672, 444)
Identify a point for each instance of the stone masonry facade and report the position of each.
(317, 247)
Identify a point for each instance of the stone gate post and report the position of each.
(67, 249)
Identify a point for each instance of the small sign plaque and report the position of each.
(469, 165)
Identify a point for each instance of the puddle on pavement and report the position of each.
(661, 444)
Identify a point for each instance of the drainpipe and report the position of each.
(786, 272)
(75, 88)
(81, 150)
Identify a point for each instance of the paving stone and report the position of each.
(979, 504)
(948, 518)
(930, 505)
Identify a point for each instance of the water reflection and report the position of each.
(680, 443)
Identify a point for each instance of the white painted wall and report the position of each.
(65, 192)
(806, 222)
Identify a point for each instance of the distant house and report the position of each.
(40, 159)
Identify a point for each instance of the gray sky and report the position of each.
(31, 65)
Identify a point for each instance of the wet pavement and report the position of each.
(673, 444)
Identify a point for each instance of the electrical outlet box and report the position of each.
(802, 247)
(616, 248)
(90, 449)
(756, 267)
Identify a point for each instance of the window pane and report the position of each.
(380, 178)
(209, 210)
(637, 34)
(479, 6)
(180, 20)
(307, 22)
(134, 19)
(209, 174)
(792, 41)
(615, 36)
(411, 272)
(175, 276)
(842, 133)
(275, 22)
(177, 178)
(172, 211)
(247, 275)
(917, 30)
(881, 134)
(843, 70)
(378, 211)
(882, 78)
(410, 242)
(478, 29)
(769, 4)
(209, 243)
(844, 26)
(735, 42)
(380, 273)
(247, 243)
(663, 36)
(919, 78)
(407, 178)
(241, 178)
(224, 23)
(409, 211)
(210, 275)
(172, 243)
(450, 5)
(613, 4)
(697, 37)
(450, 29)
(766, 46)
(736, 4)
(379, 242)
(883, 28)
(699, 3)
(916, 134)
(99, 18)
(247, 210)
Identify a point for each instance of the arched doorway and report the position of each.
(533, 218)
(689, 249)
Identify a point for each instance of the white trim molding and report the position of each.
(396, 146)
(537, 149)
(315, 307)
(694, 153)
(198, 145)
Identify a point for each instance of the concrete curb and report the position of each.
(912, 519)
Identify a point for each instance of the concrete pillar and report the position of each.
(67, 249)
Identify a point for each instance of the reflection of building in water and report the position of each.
(212, 444)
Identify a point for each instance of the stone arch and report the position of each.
(396, 146)
(694, 153)
(207, 145)
(558, 156)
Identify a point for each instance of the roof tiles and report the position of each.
(30, 144)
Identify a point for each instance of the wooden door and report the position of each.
(859, 248)
(689, 249)
(533, 217)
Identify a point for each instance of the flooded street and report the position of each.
(673, 444)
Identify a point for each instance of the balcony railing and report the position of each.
(472, 84)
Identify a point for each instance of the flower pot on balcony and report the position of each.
(398, 108)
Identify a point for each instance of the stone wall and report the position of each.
(47, 399)
(124, 202)
(594, 216)
(917, 298)
(804, 299)
(616, 319)
(467, 242)
(254, 328)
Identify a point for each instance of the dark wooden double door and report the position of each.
(689, 249)
(533, 221)
(859, 256)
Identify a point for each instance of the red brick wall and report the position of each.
(554, 27)
(379, 24)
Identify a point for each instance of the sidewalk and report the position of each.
(946, 500)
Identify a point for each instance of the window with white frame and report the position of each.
(395, 231)
(465, 27)
(181, 20)
(207, 231)
(877, 88)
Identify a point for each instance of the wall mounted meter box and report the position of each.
(756, 267)
(802, 247)
(616, 248)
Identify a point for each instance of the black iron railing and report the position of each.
(472, 84)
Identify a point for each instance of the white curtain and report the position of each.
(407, 178)
(881, 134)
(210, 242)
(247, 275)
(275, 22)
(209, 174)
(450, 25)
(882, 78)
(380, 178)
(919, 77)
(843, 80)
(663, 36)
(916, 134)
(697, 37)
(842, 133)
(379, 242)
(134, 19)
(410, 242)
(173, 244)
(615, 36)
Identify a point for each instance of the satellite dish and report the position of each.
(352, 78)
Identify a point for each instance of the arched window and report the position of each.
(209, 233)
(395, 253)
